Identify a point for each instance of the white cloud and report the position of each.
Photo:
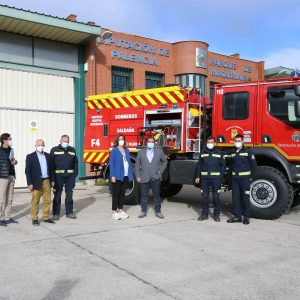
(287, 57)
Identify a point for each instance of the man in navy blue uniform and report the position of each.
(65, 167)
(211, 169)
(243, 171)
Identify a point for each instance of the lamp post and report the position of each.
(104, 36)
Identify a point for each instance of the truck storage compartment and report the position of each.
(182, 171)
(165, 126)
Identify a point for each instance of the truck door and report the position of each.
(234, 113)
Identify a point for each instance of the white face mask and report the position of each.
(210, 146)
(121, 143)
(238, 145)
(150, 145)
(40, 148)
(65, 145)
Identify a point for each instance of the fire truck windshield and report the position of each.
(281, 105)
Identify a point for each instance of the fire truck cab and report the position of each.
(267, 114)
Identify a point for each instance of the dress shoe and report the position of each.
(203, 218)
(246, 221)
(159, 215)
(49, 221)
(3, 223)
(55, 217)
(217, 218)
(35, 223)
(71, 216)
(142, 214)
(234, 220)
(11, 221)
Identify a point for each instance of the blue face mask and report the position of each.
(65, 145)
(150, 145)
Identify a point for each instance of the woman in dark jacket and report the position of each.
(121, 174)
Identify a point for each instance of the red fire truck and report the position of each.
(266, 113)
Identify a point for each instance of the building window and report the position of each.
(154, 80)
(236, 106)
(121, 79)
(212, 89)
(192, 80)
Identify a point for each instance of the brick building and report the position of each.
(130, 62)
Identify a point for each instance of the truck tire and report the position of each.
(270, 194)
(169, 190)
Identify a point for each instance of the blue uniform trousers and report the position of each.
(215, 185)
(241, 197)
(69, 183)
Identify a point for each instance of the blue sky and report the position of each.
(266, 30)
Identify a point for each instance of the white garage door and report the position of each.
(35, 106)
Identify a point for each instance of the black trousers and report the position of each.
(118, 193)
(60, 182)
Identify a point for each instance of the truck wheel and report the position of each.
(169, 190)
(271, 194)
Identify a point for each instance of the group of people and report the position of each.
(57, 169)
(151, 163)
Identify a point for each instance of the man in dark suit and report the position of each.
(39, 180)
(149, 167)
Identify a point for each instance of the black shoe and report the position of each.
(71, 216)
(246, 221)
(11, 221)
(35, 223)
(49, 221)
(3, 223)
(217, 218)
(142, 214)
(203, 218)
(234, 220)
(55, 217)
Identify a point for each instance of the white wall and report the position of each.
(27, 97)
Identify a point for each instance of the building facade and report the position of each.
(129, 62)
(42, 81)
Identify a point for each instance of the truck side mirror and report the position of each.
(297, 108)
(297, 90)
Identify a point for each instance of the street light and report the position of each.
(104, 36)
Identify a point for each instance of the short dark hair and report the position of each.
(3, 137)
(239, 136)
(211, 138)
(65, 136)
(116, 140)
(150, 138)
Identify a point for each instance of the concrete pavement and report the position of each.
(95, 257)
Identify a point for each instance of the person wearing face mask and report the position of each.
(120, 168)
(149, 167)
(243, 170)
(209, 172)
(39, 178)
(7, 179)
(64, 162)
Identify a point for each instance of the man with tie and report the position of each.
(39, 180)
(149, 167)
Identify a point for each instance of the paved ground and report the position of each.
(95, 257)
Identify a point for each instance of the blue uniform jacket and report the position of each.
(211, 164)
(116, 164)
(243, 163)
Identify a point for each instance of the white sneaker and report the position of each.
(123, 214)
(116, 216)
